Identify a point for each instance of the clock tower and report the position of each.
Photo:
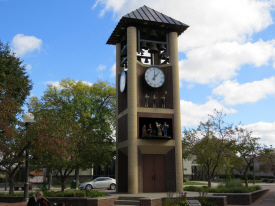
(148, 124)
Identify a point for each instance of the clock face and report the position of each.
(154, 77)
(122, 83)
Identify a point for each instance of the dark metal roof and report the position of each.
(145, 17)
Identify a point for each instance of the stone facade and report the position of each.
(122, 181)
(242, 198)
(170, 171)
(122, 128)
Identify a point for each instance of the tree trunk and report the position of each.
(6, 182)
(63, 185)
(11, 190)
(50, 175)
(209, 182)
(76, 175)
(245, 178)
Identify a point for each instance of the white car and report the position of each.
(98, 183)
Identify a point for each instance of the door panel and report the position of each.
(159, 165)
(153, 173)
(148, 173)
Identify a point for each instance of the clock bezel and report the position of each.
(146, 80)
(123, 74)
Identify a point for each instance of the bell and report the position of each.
(143, 45)
(161, 47)
(153, 33)
(162, 33)
(146, 61)
(123, 40)
(144, 31)
(163, 56)
(153, 48)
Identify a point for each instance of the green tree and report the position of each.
(15, 86)
(267, 161)
(86, 118)
(248, 148)
(212, 145)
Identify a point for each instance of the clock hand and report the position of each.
(154, 75)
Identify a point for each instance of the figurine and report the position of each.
(163, 100)
(164, 128)
(144, 132)
(146, 100)
(149, 130)
(154, 101)
(159, 129)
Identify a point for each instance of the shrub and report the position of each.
(177, 201)
(237, 176)
(185, 180)
(233, 183)
(67, 193)
(250, 176)
(224, 189)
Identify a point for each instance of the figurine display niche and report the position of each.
(159, 130)
(155, 99)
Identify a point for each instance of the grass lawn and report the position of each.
(194, 183)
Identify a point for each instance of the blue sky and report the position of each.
(226, 57)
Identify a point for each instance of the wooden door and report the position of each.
(159, 166)
(148, 173)
(153, 173)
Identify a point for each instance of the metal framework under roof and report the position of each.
(145, 17)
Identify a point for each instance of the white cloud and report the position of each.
(54, 83)
(88, 83)
(57, 83)
(218, 62)
(25, 44)
(28, 67)
(235, 93)
(210, 21)
(264, 130)
(192, 114)
(113, 70)
(101, 67)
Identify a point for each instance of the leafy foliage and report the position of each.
(248, 148)
(211, 145)
(15, 86)
(267, 162)
(67, 193)
(79, 120)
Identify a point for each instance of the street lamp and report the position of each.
(27, 118)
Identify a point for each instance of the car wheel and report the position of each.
(112, 187)
(89, 187)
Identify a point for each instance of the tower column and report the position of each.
(132, 110)
(119, 69)
(174, 60)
